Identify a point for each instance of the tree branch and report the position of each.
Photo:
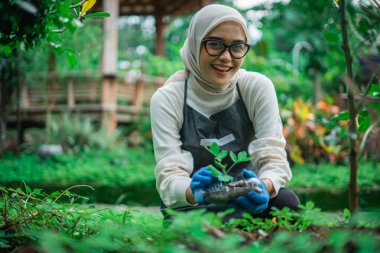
(78, 4)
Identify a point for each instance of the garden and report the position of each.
(97, 192)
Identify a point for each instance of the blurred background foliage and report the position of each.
(296, 43)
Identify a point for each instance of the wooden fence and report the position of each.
(112, 100)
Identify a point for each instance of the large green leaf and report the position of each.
(98, 15)
(364, 121)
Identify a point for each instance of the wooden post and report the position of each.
(138, 98)
(109, 65)
(160, 27)
(70, 94)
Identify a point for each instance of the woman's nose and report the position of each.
(226, 55)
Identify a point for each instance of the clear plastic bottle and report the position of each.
(221, 194)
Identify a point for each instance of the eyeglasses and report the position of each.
(216, 48)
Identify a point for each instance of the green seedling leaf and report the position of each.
(222, 154)
(233, 157)
(242, 156)
(98, 15)
(225, 178)
(214, 149)
(214, 171)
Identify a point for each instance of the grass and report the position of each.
(96, 167)
(334, 177)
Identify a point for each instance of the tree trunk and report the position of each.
(8, 84)
(353, 186)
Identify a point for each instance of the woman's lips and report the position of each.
(221, 69)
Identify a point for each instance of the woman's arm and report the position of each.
(174, 165)
(268, 148)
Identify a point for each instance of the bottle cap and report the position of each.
(198, 196)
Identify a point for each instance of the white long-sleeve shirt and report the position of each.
(175, 165)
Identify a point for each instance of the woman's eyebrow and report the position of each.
(220, 39)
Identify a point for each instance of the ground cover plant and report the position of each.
(117, 176)
(33, 220)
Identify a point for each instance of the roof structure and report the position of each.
(157, 7)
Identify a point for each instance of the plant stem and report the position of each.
(230, 168)
(353, 187)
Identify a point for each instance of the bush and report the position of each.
(31, 217)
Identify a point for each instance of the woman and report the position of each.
(214, 100)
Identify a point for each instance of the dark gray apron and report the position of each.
(231, 127)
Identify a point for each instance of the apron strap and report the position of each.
(184, 101)
(241, 97)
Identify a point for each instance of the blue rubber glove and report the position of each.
(201, 180)
(253, 202)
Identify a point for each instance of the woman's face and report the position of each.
(219, 70)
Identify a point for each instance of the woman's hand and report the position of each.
(200, 180)
(253, 202)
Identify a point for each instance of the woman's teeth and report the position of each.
(221, 68)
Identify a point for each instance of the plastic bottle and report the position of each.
(221, 194)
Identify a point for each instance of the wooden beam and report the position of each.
(160, 27)
(109, 60)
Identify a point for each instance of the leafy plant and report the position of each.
(219, 155)
(76, 133)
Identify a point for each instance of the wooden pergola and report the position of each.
(98, 96)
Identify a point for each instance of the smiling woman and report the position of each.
(214, 100)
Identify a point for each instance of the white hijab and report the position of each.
(201, 24)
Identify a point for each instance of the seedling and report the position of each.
(219, 155)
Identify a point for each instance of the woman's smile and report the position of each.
(219, 70)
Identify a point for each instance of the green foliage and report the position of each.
(219, 155)
(114, 168)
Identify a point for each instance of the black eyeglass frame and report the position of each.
(204, 42)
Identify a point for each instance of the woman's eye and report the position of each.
(215, 44)
(237, 47)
